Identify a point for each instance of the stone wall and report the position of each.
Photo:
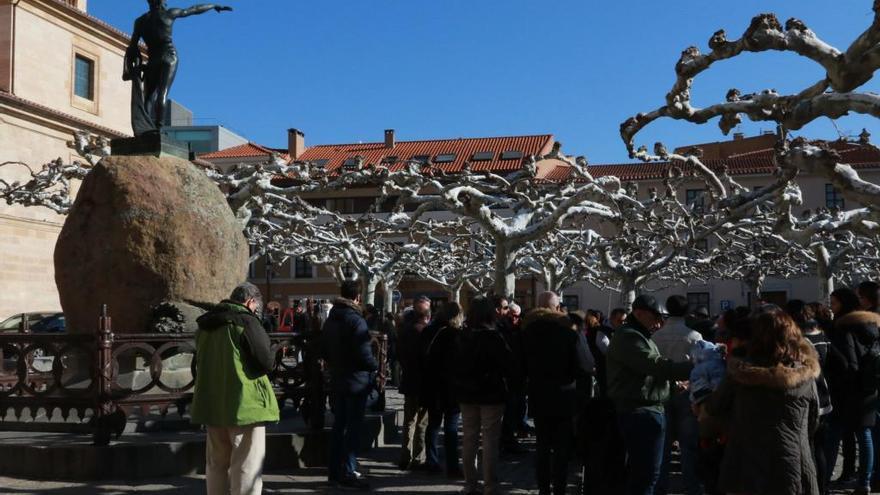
(45, 46)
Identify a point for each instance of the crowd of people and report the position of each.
(754, 401)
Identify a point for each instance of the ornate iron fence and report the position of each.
(106, 379)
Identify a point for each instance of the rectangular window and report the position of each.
(512, 155)
(571, 302)
(483, 156)
(698, 299)
(303, 268)
(695, 199)
(84, 78)
(341, 205)
(350, 164)
(445, 158)
(347, 271)
(833, 197)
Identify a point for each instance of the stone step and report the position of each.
(70, 457)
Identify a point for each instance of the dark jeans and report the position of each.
(644, 434)
(866, 457)
(514, 417)
(681, 425)
(348, 418)
(820, 450)
(451, 418)
(554, 437)
(866, 451)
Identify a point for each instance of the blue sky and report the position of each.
(344, 70)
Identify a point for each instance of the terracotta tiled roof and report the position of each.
(72, 121)
(247, 150)
(463, 150)
(751, 163)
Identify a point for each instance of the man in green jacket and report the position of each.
(638, 384)
(233, 395)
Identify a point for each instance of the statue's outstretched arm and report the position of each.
(197, 9)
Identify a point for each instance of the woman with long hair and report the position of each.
(439, 341)
(769, 398)
(854, 382)
(484, 368)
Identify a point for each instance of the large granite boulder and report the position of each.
(144, 230)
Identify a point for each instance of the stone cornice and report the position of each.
(49, 117)
(79, 19)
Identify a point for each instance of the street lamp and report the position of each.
(268, 278)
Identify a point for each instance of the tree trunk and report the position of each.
(825, 272)
(551, 280)
(369, 283)
(755, 281)
(627, 293)
(455, 293)
(505, 276)
(388, 301)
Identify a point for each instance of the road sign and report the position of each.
(726, 304)
(396, 296)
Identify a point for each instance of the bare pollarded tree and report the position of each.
(834, 96)
(563, 258)
(375, 251)
(51, 186)
(512, 210)
(461, 260)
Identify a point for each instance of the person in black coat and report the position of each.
(439, 340)
(854, 383)
(484, 368)
(555, 357)
(348, 352)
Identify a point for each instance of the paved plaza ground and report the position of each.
(516, 473)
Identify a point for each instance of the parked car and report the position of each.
(39, 322)
(54, 322)
(50, 324)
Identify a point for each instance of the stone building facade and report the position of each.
(60, 71)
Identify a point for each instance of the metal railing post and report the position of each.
(104, 406)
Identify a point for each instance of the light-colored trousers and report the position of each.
(415, 420)
(234, 460)
(477, 419)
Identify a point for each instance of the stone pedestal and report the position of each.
(144, 230)
(151, 144)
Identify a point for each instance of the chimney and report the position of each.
(296, 143)
(738, 135)
(389, 138)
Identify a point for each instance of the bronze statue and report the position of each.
(152, 81)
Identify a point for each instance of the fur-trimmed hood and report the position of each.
(348, 302)
(779, 376)
(858, 318)
(546, 315)
(863, 325)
